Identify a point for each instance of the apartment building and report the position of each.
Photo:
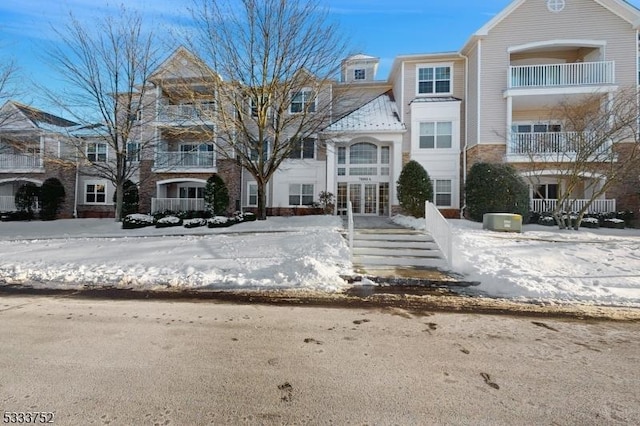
(493, 100)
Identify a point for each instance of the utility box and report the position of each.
(504, 222)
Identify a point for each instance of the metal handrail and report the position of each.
(350, 226)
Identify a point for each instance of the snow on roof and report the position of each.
(436, 99)
(380, 114)
(44, 120)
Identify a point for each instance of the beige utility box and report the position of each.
(504, 222)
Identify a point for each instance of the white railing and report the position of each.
(440, 230)
(552, 75)
(8, 204)
(597, 206)
(555, 143)
(185, 160)
(18, 161)
(177, 204)
(350, 226)
(177, 113)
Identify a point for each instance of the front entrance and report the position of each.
(366, 198)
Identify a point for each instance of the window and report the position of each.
(196, 154)
(97, 152)
(95, 193)
(303, 101)
(536, 128)
(253, 105)
(442, 189)
(300, 194)
(434, 80)
(359, 74)
(547, 191)
(253, 155)
(363, 153)
(191, 192)
(133, 152)
(252, 195)
(342, 155)
(437, 134)
(304, 149)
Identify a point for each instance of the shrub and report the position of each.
(194, 223)
(414, 188)
(216, 195)
(52, 196)
(25, 199)
(325, 202)
(495, 188)
(168, 221)
(130, 198)
(590, 222)
(137, 220)
(220, 222)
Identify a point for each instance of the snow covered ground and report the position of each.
(599, 266)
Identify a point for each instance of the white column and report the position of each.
(331, 185)
(509, 122)
(396, 156)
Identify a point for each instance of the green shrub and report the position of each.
(130, 198)
(495, 188)
(137, 220)
(25, 199)
(414, 188)
(216, 195)
(52, 196)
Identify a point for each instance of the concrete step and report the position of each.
(397, 252)
(391, 237)
(365, 261)
(392, 245)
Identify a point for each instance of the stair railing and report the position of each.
(440, 230)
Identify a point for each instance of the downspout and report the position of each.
(75, 195)
(466, 134)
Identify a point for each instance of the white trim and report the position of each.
(479, 95)
(557, 172)
(179, 180)
(434, 65)
(249, 185)
(562, 90)
(105, 183)
(21, 179)
(557, 42)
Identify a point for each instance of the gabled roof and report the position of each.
(621, 8)
(377, 115)
(182, 63)
(40, 119)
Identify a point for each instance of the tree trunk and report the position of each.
(262, 201)
(119, 200)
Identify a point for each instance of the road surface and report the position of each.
(130, 362)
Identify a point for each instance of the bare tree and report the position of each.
(272, 65)
(106, 64)
(595, 151)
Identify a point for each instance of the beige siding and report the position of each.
(472, 101)
(532, 22)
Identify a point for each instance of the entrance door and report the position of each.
(363, 197)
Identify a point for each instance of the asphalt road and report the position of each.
(129, 362)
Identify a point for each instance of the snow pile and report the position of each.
(543, 263)
(287, 254)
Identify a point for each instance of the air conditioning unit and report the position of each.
(504, 222)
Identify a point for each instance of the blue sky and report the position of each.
(380, 28)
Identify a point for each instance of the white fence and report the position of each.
(556, 143)
(16, 161)
(177, 204)
(440, 230)
(597, 206)
(185, 160)
(8, 204)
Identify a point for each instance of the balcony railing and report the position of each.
(8, 204)
(597, 206)
(177, 204)
(20, 161)
(181, 113)
(564, 143)
(555, 75)
(185, 160)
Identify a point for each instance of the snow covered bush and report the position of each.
(546, 219)
(194, 223)
(613, 223)
(244, 217)
(168, 221)
(220, 222)
(590, 222)
(137, 220)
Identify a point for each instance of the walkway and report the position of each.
(382, 248)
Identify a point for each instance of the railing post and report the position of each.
(350, 227)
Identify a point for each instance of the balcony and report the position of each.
(556, 145)
(20, 162)
(562, 75)
(186, 114)
(597, 206)
(188, 160)
(8, 204)
(177, 204)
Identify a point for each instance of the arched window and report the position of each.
(363, 153)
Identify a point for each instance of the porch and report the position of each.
(560, 143)
(185, 160)
(8, 204)
(539, 205)
(20, 162)
(564, 74)
(177, 204)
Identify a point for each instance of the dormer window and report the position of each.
(303, 101)
(434, 80)
(359, 74)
